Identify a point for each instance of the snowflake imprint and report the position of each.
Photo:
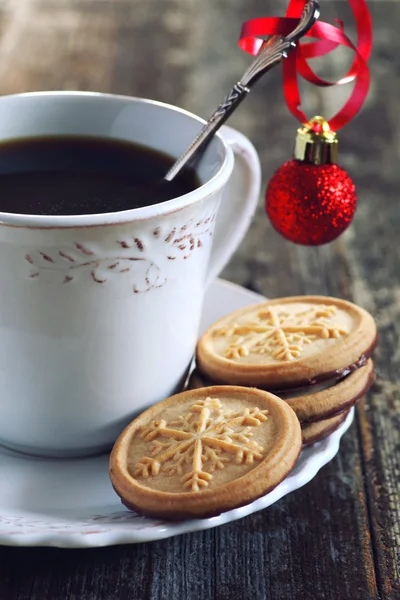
(205, 439)
(279, 334)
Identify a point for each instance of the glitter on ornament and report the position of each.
(310, 204)
(310, 200)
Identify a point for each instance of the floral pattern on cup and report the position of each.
(131, 256)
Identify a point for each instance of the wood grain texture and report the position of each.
(339, 537)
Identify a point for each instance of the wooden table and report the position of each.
(338, 537)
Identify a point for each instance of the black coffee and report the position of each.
(74, 175)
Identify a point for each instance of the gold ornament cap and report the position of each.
(316, 143)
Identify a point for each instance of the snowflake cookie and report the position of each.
(287, 342)
(204, 451)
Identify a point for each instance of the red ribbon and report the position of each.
(329, 37)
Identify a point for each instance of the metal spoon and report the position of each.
(273, 51)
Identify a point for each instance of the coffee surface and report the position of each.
(74, 175)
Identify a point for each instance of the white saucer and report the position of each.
(70, 503)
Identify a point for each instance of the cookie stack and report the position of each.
(270, 379)
(312, 351)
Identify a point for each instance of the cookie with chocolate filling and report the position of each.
(287, 343)
(315, 432)
(316, 402)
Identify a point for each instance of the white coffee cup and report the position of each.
(99, 314)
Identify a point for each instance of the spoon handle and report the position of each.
(273, 51)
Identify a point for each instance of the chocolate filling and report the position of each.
(335, 376)
(333, 412)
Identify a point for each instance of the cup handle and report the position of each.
(239, 201)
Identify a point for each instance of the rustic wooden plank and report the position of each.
(362, 266)
(312, 544)
(375, 283)
(316, 542)
(55, 46)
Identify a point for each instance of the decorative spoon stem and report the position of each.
(273, 51)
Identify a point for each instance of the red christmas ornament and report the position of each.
(310, 200)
